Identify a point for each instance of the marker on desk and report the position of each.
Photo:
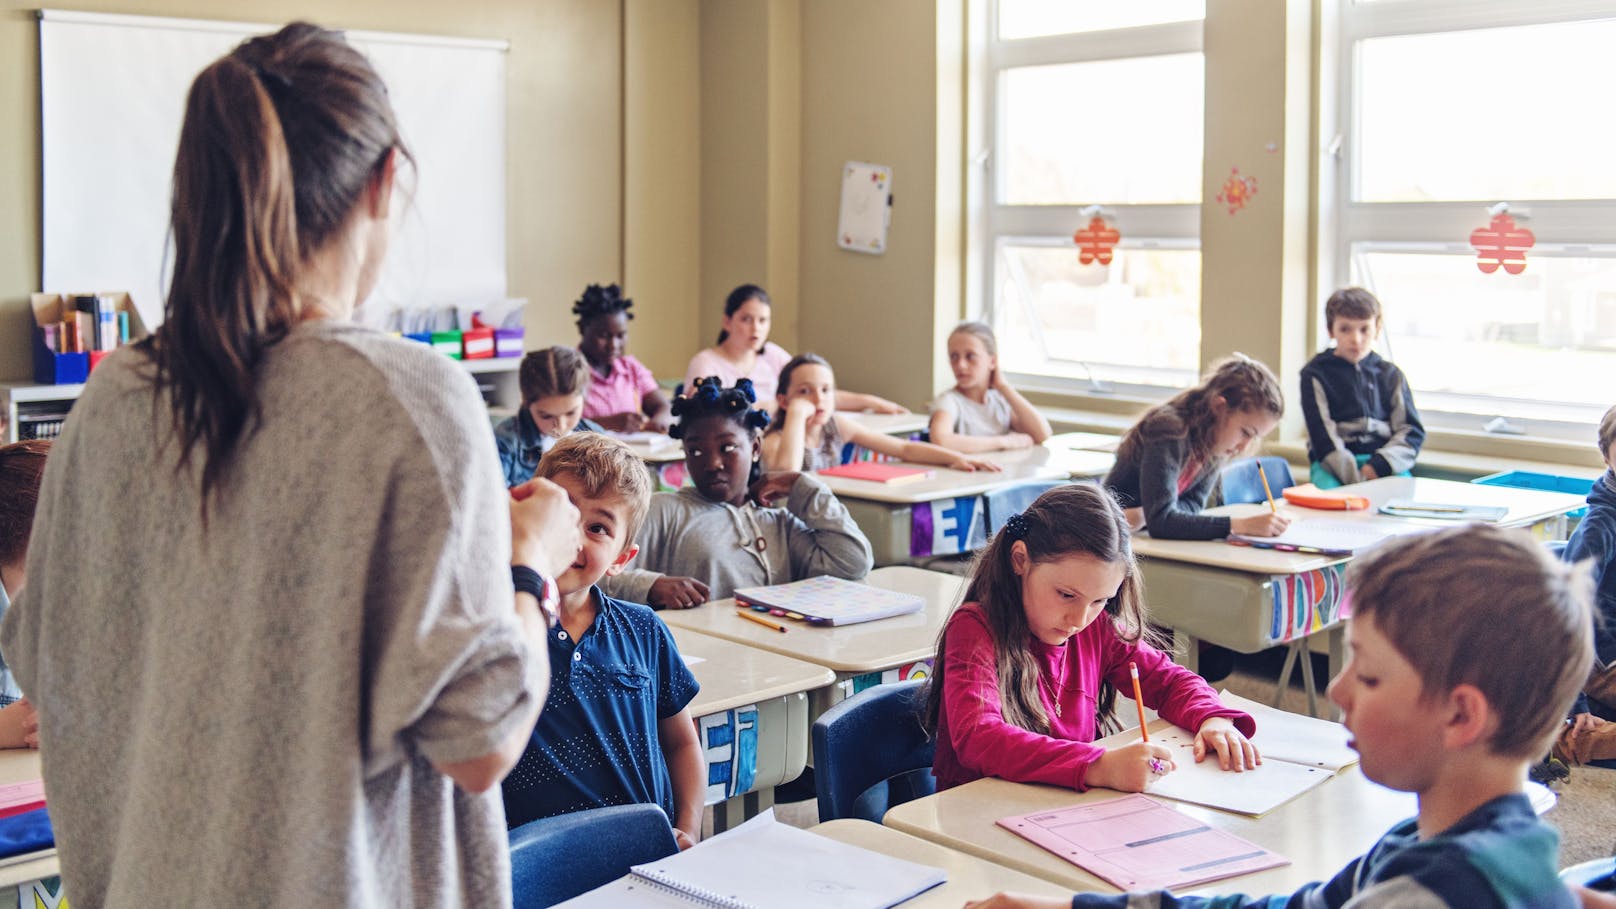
(1138, 699)
(1263, 475)
(766, 623)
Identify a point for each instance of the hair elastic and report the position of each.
(1017, 526)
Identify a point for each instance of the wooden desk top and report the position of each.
(18, 765)
(733, 675)
(1319, 831)
(1036, 463)
(1526, 507)
(891, 424)
(866, 647)
(969, 878)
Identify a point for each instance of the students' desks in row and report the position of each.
(860, 655)
(1319, 831)
(949, 503)
(32, 880)
(1250, 599)
(751, 718)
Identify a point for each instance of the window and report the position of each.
(1448, 107)
(1086, 105)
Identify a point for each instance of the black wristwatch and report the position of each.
(543, 589)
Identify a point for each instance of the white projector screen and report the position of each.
(112, 94)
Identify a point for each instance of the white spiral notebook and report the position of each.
(764, 864)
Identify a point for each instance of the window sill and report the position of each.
(1448, 454)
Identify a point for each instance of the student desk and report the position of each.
(1250, 599)
(752, 719)
(890, 424)
(951, 499)
(1319, 831)
(969, 877)
(862, 655)
(27, 881)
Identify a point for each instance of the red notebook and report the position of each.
(16, 798)
(877, 472)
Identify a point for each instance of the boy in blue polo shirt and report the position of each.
(616, 728)
(1466, 646)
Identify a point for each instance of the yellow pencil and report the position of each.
(745, 613)
(1138, 699)
(1265, 488)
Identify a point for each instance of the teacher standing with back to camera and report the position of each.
(269, 623)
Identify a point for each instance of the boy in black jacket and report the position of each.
(1361, 421)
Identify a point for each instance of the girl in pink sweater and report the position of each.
(1028, 667)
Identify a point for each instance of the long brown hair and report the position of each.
(1244, 384)
(22, 466)
(1080, 518)
(281, 139)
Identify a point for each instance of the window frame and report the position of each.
(1582, 228)
(992, 225)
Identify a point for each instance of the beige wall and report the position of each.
(870, 72)
(662, 179)
(565, 131)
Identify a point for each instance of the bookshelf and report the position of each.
(38, 411)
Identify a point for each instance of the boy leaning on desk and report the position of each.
(1466, 646)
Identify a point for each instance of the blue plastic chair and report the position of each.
(999, 504)
(1556, 548)
(554, 859)
(870, 753)
(1241, 481)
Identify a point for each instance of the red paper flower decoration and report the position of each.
(1095, 242)
(1237, 190)
(1501, 242)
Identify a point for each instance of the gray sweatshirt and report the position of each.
(727, 547)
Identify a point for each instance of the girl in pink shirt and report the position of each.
(1051, 619)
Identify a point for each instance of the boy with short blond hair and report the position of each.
(1360, 414)
(1466, 645)
(616, 728)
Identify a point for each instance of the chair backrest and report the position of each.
(1000, 504)
(554, 859)
(1242, 483)
(870, 752)
(1556, 548)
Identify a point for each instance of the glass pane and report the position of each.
(1032, 18)
(1499, 114)
(1538, 345)
(1110, 131)
(1137, 320)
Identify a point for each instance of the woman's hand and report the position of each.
(544, 527)
(1132, 767)
(1235, 751)
(1266, 524)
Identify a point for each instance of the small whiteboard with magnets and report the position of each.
(866, 207)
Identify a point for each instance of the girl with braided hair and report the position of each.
(623, 395)
(735, 526)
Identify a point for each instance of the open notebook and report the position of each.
(1299, 752)
(825, 600)
(767, 865)
(1330, 536)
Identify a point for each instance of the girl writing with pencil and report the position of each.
(1169, 462)
(1029, 665)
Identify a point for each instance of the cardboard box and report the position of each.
(67, 367)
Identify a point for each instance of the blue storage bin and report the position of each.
(1526, 479)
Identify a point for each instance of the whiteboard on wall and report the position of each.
(112, 96)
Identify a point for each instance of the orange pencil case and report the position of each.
(1309, 496)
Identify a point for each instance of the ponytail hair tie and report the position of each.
(1017, 526)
